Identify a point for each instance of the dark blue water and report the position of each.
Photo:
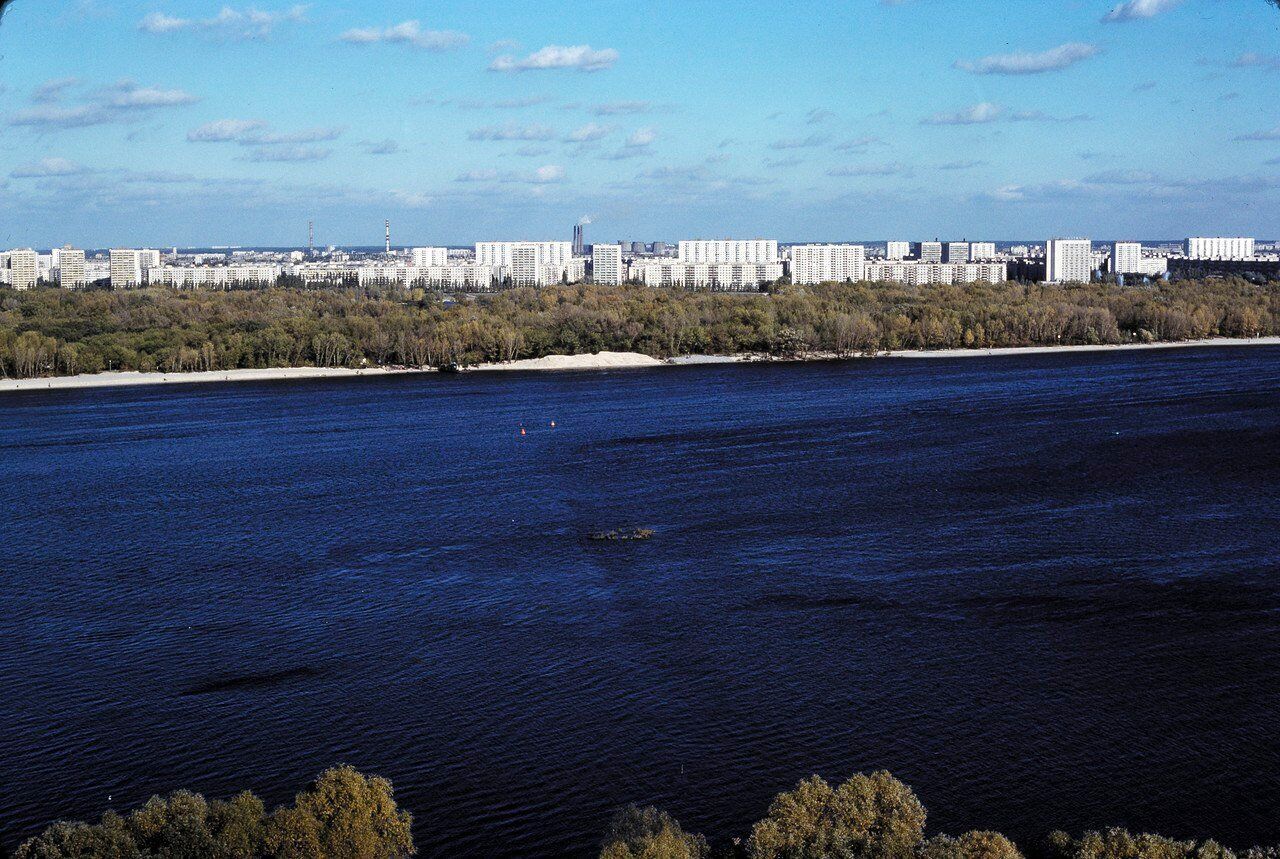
(1045, 591)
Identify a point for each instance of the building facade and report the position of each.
(1126, 258)
(503, 253)
(423, 257)
(927, 251)
(212, 276)
(69, 263)
(727, 251)
(897, 250)
(606, 264)
(812, 264)
(923, 273)
(1068, 261)
(1218, 248)
(24, 268)
(724, 277)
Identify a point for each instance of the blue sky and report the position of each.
(193, 122)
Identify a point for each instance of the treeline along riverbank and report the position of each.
(53, 332)
(346, 815)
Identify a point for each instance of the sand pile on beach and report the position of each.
(598, 361)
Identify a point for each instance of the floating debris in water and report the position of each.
(622, 535)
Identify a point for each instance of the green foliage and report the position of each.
(867, 817)
(647, 833)
(343, 815)
(45, 332)
(1122, 844)
(109, 839)
(357, 817)
(971, 845)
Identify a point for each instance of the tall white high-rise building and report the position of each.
(827, 263)
(982, 251)
(69, 263)
(927, 251)
(1068, 261)
(126, 268)
(956, 252)
(1218, 248)
(606, 264)
(1126, 258)
(503, 253)
(24, 268)
(423, 257)
(726, 251)
(897, 250)
(526, 269)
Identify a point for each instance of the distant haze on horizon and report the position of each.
(199, 122)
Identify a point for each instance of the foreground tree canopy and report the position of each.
(343, 815)
(346, 815)
(61, 332)
(876, 817)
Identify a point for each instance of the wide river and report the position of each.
(1044, 591)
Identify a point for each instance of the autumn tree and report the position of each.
(647, 833)
(868, 817)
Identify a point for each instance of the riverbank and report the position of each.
(131, 379)
(1043, 350)
(567, 363)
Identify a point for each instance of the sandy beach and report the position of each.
(115, 380)
(598, 361)
(561, 363)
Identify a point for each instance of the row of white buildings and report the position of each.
(811, 264)
(731, 265)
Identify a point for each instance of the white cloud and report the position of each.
(512, 132)
(380, 147)
(546, 175)
(47, 167)
(128, 96)
(230, 23)
(617, 108)
(158, 22)
(1269, 134)
(1136, 10)
(288, 154)
(121, 102)
(986, 112)
(980, 113)
(407, 33)
(1041, 116)
(224, 130)
(549, 173)
(256, 132)
(869, 170)
(1253, 60)
(306, 135)
(590, 132)
(583, 58)
(858, 143)
(642, 137)
(52, 90)
(801, 142)
(1024, 63)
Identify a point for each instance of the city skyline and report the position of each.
(194, 123)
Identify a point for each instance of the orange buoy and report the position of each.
(553, 424)
(521, 430)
